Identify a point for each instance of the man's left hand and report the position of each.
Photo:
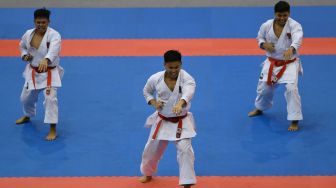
(43, 66)
(178, 107)
(288, 54)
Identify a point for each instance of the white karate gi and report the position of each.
(291, 36)
(184, 89)
(49, 48)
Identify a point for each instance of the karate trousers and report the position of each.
(264, 99)
(154, 150)
(29, 99)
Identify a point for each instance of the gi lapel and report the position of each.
(173, 99)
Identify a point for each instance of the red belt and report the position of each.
(277, 63)
(35, 69)
(177, 119)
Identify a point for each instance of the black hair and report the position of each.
(172, 55)
(42, 13)
(282, 6)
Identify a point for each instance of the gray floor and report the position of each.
(152, 3)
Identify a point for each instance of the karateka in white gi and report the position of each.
(172, 120)
(40, 48)
(281, 38)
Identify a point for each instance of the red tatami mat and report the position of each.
(172, 182)
(156, 47)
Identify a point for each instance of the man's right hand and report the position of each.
(269, 47)
(27, 57)
(157, 104)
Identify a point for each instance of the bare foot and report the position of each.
(52, 133)
(255, 112)
(145, 179)
(293, 127)
(22, 120)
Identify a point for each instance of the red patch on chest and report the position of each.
(289, 35)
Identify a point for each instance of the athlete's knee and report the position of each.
(24, 95)
(50, 96)
(263, 88)
(23, 99)
(184, 146)
(291, 88)
(51, 99)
